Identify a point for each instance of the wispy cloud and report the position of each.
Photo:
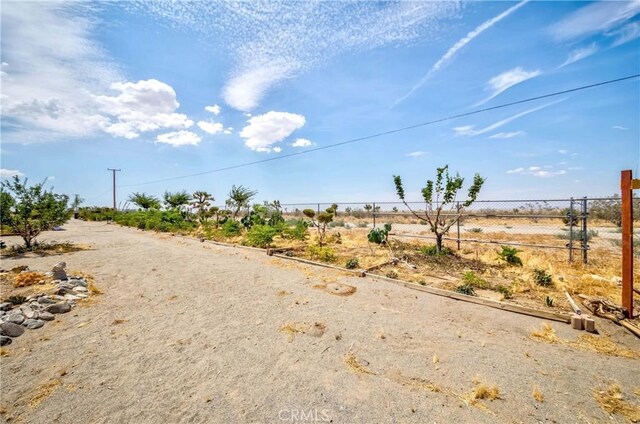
(579, 54)
(537, 171)
(453, 50)
(507, 134)
(506, 80)
(618, 127)
(417, 154)
(8, 173)
(627, 33)
(469, 130)
(179, 138)
(302, 142)
(594, 18)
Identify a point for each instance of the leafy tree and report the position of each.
(144, 201)
(239, 197)
(176, 200)
(610, 209)
(29, 210)
(320, 222)
(334, 207)
(202, 203)
(76, 202)
(441, 209)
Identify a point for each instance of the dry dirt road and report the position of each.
(192, 332)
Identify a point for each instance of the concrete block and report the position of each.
(589, 324)
(576, 322)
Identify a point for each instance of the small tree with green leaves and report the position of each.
(201, 202)
(240, 197)
(441, 209)
(144, 201)
(176, 200)
(29, 210)
(320, 222)
(76, 202)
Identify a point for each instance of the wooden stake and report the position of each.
(627, 241)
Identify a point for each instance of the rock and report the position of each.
(12, 330)
(45, 300)
(616, 280)
(4, 340)
(80, 289)
(5, 306)
(59, 308)
(81, 282)
(32, 324)
(36, 306)
(47, 316)
(28, 313)
(56, 297)
(15, 318)
(71, 297)
(2, 313)
(59, 272)
(82, 295)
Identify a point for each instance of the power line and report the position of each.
(397, 130)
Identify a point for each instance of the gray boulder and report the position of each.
(12, 330)
(59, 308)
(46, 300)
(58, 271)
(5, 306)
(15, 318)
(47, 316)
(32, 324)
(5, 340)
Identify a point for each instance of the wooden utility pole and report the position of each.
(113, 170)
(627, 184)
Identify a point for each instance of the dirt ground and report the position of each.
(191, 332)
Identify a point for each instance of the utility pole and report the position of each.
(113, 170)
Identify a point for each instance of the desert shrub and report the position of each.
(96, 214)
(298, 231)
(362, 225)
(569, 218)
(505, 291)
(432, 250)
(391, 274)
(422, 283)
(260, 236)
(26, 279)
(472, 279)
(15, 299)
(321, 253)
(466, 289)
(549, 302)
(510, 255)
(542, 277)
(155, 220)
(474, 230)
(336, 224)
(577, 235)
(231, 228)
(352, 263)
(379, 235)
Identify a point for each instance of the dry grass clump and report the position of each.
(417, 383)
(485, 392)
(118, 321)
(546, 335)
(603, 344)
(43, 391)
(4, 352)
(611, 400)
(354, 365)
(26, 279)
(291, 329)
(537, 394)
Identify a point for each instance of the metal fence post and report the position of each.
(373, 212)
(458, 225)
(571, 222)
(585, 241)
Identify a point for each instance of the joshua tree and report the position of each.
(31, 210)
(176, 200)
(334, 207)
(323, 219)
(202, 203)
(368, 207)
(445, 189)
(76, 202)
(145, 201)
(239, 197)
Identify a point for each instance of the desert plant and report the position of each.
(441, 209)
(240, 197)
(322, 253)
(29, 210)
(391, 274)
(144, 201)
(260, 236)
(510, 255)
(320, 222)
(176, 200)
(505, 291)
(577, 235)
(231, 228)
(610, 209)
(352, 263)
(201, 202)
(569, 218)
(472, 279)
(475, 230)
(466, 289)
(432, 250)
(549, 302)
(76, 202)
(368, 207)
(379, 235)
(542, 277)
(298, 231)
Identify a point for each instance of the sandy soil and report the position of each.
(192, 332)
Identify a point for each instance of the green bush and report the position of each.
(472, 279)
(542, 277)
(231, 228)
(466, 289)
(505, 291)
(510, 255)
(260, 236)
(391, 274)
(379, 235)
(321, 253)
(352, 263)
(432, 250)
(165, 221)
(298, 231)
(577, 234)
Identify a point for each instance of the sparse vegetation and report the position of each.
(352, 263)
(470, 278)
(549, 302)
(321, 253)
(391, 274)
(432, 250)
(474, 230)
(510, 255)
(542, 277)
(466, 289)
(144, 201)
(260, 236)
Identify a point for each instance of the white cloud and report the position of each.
(8, 173)
(469, 130)
(537, 171)
(143, 106)
(627, 33)
(273, 41)
(506, 80)
(515, 171)
(594, 18)
(215, 109)
(179, 138)
(507, 134)
(302, 142)
(229, 130)
(265, 130)
(210, 127)
(416, 154)
(50, 178)
(450, 54)
(563, 151)
(619, 127)
(580, 54)
(277, 149)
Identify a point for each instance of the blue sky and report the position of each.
(166, 89)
